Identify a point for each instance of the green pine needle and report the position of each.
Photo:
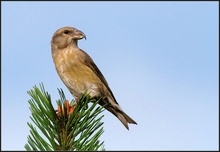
(79, 130)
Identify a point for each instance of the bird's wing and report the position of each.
(89, 62)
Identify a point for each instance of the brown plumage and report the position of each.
(79, 73)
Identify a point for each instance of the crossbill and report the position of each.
(79, 73)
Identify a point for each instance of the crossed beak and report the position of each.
(79, 35)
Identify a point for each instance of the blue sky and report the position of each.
(159, 58)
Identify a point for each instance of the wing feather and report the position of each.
(89, 62)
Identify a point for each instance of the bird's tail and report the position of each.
(124, 118)
(120, 114)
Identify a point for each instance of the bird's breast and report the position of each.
(77, 76)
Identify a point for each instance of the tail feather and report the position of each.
(124, 118)
(129, 119)
(115, 109)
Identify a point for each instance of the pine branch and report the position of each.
(68, 128)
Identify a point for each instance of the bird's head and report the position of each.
(66, 36)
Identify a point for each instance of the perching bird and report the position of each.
(79, 73)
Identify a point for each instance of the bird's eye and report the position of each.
(66, 32)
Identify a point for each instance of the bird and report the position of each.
(79, 73)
